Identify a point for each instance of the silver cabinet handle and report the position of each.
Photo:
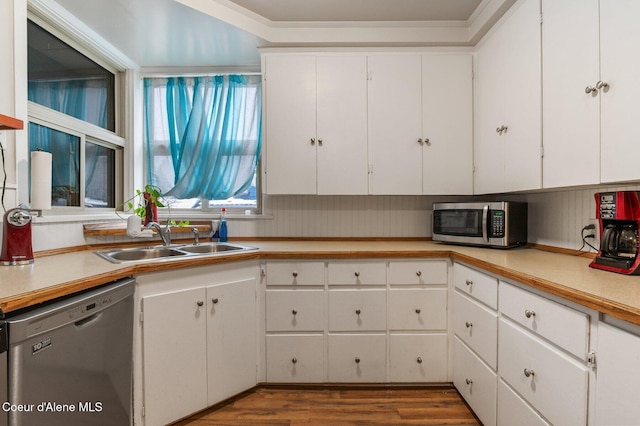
(502, 129)
(358, 311)
(427, 141)
(419, 273)
(313, 141)
(294, 312)
(357, 274)
(602, 85)
(468, 381)
(320, 142)
(357, 360)
(215, 300)
(529, 373)
(419, 360)
(529, 313)
(590, 89)
(295, 274)
(469, 282)
(200, 303)
(468, 324)
(420, 141)
(418, 310)
(294, 360)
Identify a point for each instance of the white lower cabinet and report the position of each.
(198, 339)
(551, 381)
(357, 310)
(295, 358)
(513, 410)
(475, 381)
(618, 375)
(418, 358)
(357, 358)
(295, 310)
(477, 326)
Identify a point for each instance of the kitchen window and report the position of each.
(72, 115)
(202, 140)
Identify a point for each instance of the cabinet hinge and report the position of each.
(370, 168)
(141, 317)
(591, 360)
(143, 412)
(263, 272)
(542, 151)
(541, 18)
(369, 75)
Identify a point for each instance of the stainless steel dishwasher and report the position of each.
(70, 362)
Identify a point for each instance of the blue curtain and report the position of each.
(212, 129)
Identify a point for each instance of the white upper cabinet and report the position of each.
(571, 116)
(447, 124)
(508, 145)
(290, 129)
(395, 124)
(316, 124)
(620, 68)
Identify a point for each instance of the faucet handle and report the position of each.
(196, 235)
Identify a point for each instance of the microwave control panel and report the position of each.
(496, 224)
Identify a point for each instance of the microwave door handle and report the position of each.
(485, 218)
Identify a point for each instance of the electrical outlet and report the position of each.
(595, 223)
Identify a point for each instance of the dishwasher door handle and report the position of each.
(87, 320)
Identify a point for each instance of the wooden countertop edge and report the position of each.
(603, 305)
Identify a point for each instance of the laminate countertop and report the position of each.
(562, 275)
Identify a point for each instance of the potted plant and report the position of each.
(148, 201)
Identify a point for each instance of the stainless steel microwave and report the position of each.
(500, 224)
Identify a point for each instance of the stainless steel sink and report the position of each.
(160, 253)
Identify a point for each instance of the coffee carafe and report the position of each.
(619, 217)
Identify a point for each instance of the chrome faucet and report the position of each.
(165, 234)
(196, 235)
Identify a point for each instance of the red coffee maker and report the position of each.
(619, 217)
(16, 237)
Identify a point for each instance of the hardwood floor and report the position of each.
(339, 406)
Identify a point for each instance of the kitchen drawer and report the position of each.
(552, 382)
(357, 273)
(477, 326)
(295, 310)
(417, 272)
(476, 284)
(418, 358)
(513, 410)
(476, 383)
(295, 358)
(357, 358)
(417, 309)
(358, 310)
(295, 273)
(562, 325)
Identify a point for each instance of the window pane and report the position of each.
(100, 163)
(65, 150)
(63, 79)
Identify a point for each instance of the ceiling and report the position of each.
(227, 33)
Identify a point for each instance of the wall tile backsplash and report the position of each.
(555, 218)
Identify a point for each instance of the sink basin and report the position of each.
(206, 248)
(159, 253)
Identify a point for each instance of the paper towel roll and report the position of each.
(41, 180)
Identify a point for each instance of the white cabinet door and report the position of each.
(174, 355)
(231, 339)
(447, 124)
(290, 124)
(619, 67)
(395, 124)
(358, 310)
(417, 309)
(417, 358)
(509, 98)
(295, 310)
(342, 125)
(513, 410)
(357, 358)
(618, 376)
(295, 358)
(571, 117)
(476, 326)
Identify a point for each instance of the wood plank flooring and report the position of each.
(339, 406)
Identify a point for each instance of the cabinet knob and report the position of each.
(468, 324)
(294, 312)
(200, 303)
(420, 141)
(529, 313)
(468, 381)
(469, 282)
(502, 129)
(313, 141)
(418, 310)
(320, 142)
(528, 372)
(357, 360)
(294, 360)
(358, 311)
(590, 90)
(357, 274)
(419, 273)
(215, 300)
(419, 360)
(295, 274)
(427, 142)
(602, 85)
